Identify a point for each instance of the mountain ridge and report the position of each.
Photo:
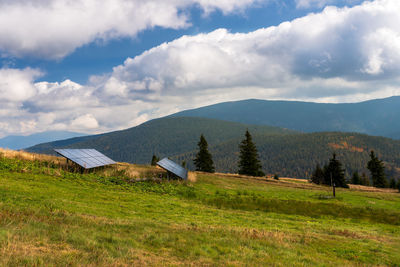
(16, 142)
(378, 117)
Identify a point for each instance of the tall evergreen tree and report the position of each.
(355, 179)
(249, 164)
(377, 169)
(334, 172)
(203, 160)
(318, 175)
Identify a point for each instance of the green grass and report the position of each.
(52, 217)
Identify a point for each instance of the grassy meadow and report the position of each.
(53, 216)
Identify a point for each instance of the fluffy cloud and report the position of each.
(87, 121)
(54, 28)
(350, 44)
(338, 55)
(16, 85)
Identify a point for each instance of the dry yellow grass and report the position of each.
(284, 182)
(372, 189)
(134, 171)
(192, 177)
(28, 156)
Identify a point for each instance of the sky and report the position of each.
(96, 66)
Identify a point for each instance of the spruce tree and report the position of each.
(249, 164)
(334, 172)
(377, 169)
(203, 160)
(318, 175)
(355, 179)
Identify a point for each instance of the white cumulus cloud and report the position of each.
(87, 121)
(55, 28)
(16, 85)
(349, 44)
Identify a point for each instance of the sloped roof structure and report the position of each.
(173, 167)
(86, 158)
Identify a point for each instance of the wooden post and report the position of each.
(334, 192)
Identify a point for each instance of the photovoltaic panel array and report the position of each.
(174, 168)
(86, 158)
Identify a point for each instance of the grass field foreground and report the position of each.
(51, 216)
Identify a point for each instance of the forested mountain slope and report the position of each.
(375, 117)
(164, 137)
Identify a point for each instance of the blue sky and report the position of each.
(91, 66)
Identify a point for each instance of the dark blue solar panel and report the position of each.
(171, 166)
(86, 158)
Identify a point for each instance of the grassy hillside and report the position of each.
(50, 216)
(375, 117)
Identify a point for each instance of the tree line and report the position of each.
(333, 174)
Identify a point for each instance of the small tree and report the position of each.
(249, 164)
(318, 175)
(203, 160)
(377, 169)
(355, 179)
(334, 172)
(392, 183)
(276, 176)
(364, 179)
(154, 160)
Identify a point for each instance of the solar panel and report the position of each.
(174, 168)
(86, 158)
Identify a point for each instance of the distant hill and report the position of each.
(282, 151)
(164, 137)
(16, 142)
(376, 117)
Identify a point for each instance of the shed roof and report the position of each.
(173, 167)
(86, 158)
